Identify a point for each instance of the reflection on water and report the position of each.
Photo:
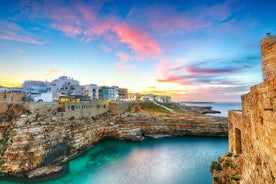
(169, 161)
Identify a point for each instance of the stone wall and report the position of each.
(268, 51)
(41, 107)
(86, 109)
(119, 107)
(7, 98)
(252, 133)
(234, 125)
(4, 107)
(11, 97)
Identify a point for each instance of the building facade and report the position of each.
(123, 93)
(65, 86)
(110, 93)
(92, 90)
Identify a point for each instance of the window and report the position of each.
(72, 107)
(98, 106)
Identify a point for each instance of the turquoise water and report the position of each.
(178, 160)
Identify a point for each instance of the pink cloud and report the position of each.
(210, 71)
(123, 67)
(68, 29)
(83, 22)
(53, 72)
(11, 31)
(199, 74)
(139, 41)
(217, 94)
(123, 56)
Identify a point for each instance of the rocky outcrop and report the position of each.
(40, 144)
(227, 169)
(200, 109)
(252, 132)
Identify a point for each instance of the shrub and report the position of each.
(229, 154)
(215, 166)
(235, 178)
(228, 164)
(71, 118)
(215, 178)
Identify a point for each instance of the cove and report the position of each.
(168, 161)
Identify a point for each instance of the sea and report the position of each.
(171, 160)
(223, 107)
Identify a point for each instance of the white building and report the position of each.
(44, 97)
(134, 96)
(92, 90)
(2, 89)
(65, 86)
(163, 99)
(148, 97)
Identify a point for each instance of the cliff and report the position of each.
(252, 132)
(38, 143)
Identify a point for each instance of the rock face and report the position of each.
(252, 132)
(40, 144)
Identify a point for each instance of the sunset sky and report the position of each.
(192, 50)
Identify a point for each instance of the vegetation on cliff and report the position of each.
(148, 108)
(227, 169)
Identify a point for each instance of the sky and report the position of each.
(192, 50)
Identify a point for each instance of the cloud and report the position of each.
(170, 19)
(106, 48)
(53, 73)
(68, 29)
(86, 23)
(212, 72)
(123, 56)
(123, 67)
(139, 41)
(12, 31)
(211, 95)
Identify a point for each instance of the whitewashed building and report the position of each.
(65, 86)
(92, 90)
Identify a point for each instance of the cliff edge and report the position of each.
(37, 143)
(252, 132)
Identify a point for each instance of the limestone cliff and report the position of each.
(252, 132)
(40, 142)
